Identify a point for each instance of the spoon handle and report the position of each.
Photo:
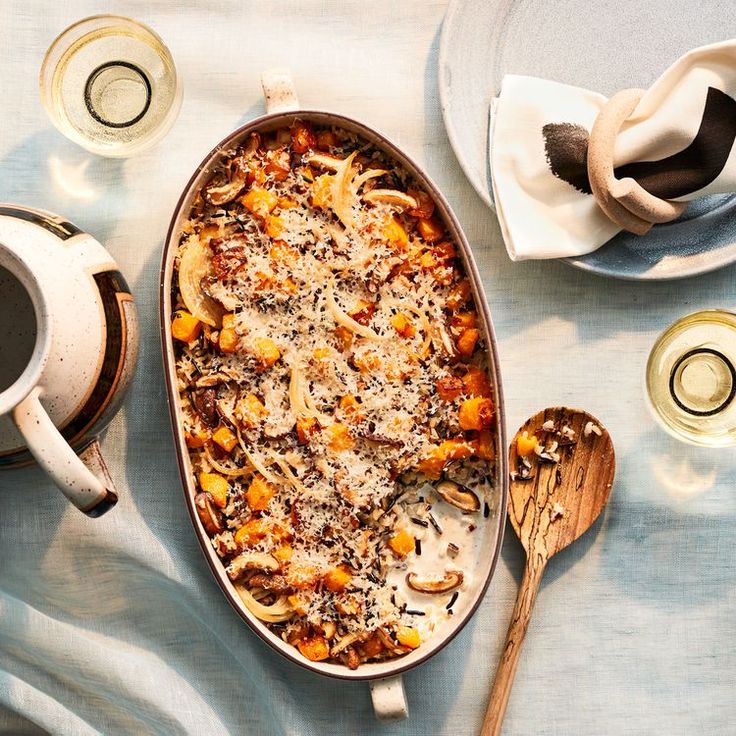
(504, 680)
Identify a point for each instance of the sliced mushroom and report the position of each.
(345, 642)
(205, 404)
(271, 583)
(210, 517)
(391, 196)
(459, 496)
(223, 193)
(251, 561)
(219, 194)
(213, 379)
(451, 580)
(325, 160)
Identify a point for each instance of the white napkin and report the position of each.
(678, 144)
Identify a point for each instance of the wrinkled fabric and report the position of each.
(115, 625)
(678, 144)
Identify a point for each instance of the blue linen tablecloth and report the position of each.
(116, 626)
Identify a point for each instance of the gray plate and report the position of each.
(606, 47)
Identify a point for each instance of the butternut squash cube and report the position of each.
(283, 553)
(252, 532)
(305, 428)
(228, 320)
(476, 413)
(282, 253)
(403, 325)
(197, 438)
(428, 261)
(476, 382)
(430, 230)
(344, 338)
(228, 340)
(287, 203)
(456, 449)
(216, 485)
(299, 603)
(225, 438)
(266, 352)
(408, 637)
(259, 201)
(259, 493)
(467, 341)
(326, 139)
(301, 575)
(274, 226)
(449, 388)
(350, 406)
(464, 319)
(302, 137)
(321, 353)
(394, 232)
(314, 648)
(372, 646)
(486, 449)
(322, 191)
(185, 326)
(250, 411)
(338, 578)
(340, 438)
(459, 294)
(433, 463)
(402, 543)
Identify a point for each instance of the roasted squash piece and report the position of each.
(314, 648)
(476, 413)
(216, 485)
(259, 493)
(402, 543)
(185, 326)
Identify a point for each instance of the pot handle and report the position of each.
(279, 90)
(52, 452)
(389, 699)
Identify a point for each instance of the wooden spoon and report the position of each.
(549, 510)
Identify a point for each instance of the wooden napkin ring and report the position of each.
(624, 201)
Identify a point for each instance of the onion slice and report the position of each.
(280, 610)
(195, 265)
(344, 319)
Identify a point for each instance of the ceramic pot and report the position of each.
(69, 340)
(384, 677)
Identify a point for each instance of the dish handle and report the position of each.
(279, 91)
(389, 699)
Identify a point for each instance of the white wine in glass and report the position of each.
(691, 378)
(109, 83)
